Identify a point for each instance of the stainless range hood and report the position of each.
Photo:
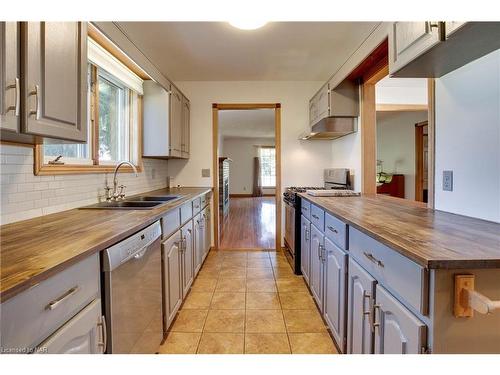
(332, 128)
(343, 112)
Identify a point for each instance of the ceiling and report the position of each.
(216, 51)
(255, 123)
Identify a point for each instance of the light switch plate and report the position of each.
(205, 172)
(447, 180)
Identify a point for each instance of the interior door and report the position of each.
(10, 95)
(316, 266)
(83, 334)
(187, 257)
(305, 247)
(334, 291)
(172, 277)
(55, 85)
(398, 330)
(361, 289)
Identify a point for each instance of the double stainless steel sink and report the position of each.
(141, 202)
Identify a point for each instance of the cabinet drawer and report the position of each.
(170, 223)
(186, 212)
(403, 277)
(336, 231)
(305, 208)
(30, 317)
(318, 217)
(196, 205)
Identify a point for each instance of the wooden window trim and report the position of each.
(42, 169)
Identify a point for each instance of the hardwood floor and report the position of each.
(248, 302)
(250, 224)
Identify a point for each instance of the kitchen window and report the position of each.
(267, 157)
(114, 119)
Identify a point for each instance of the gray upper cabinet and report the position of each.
(185, 127)
(172, 290)
(397, 330)
(408, 40)
(176, 123)
(433, 49)
(166, 122)
(10, 85)
(361, 290)
(334, 291)
(55, 79)
(305, 247)
(316, 265)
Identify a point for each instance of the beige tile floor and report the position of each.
(248, 302)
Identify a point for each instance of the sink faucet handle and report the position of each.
(121, 194)
(108, 192)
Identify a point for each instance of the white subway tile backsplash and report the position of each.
(24, 195)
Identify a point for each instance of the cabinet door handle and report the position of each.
(104, 334)
(368, 312)
(314, 216)
(17, 106)
(332, 229)
(307, 235)
(36, 93)
(373, 259)
(53, 304)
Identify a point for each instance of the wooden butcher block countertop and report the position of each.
(32, 250)
(433, 239)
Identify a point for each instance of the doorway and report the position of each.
(246, 152)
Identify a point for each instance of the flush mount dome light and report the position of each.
(247, 24)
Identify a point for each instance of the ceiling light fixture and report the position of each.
(247, 24)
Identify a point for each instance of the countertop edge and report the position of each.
(429, 264)
(46, 273)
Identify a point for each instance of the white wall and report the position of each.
(468, 138)
(401, 91)
(396, 145)
(242, 152)
(302, 162)
(24, 195)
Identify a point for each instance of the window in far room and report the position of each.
(267, 157)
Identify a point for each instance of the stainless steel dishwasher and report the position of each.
(133, 292)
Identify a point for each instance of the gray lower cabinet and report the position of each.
(361, 289)
(83, 334)
(187, 257)
(198, 242)
(171, 250)
(397, 330)
(305, 247)
(10, 86)
(55, 79)
(334, 291)
(207, 231)
(316, 265)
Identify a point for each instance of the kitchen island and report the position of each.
(382, 270)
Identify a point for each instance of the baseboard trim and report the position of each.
(249, 195)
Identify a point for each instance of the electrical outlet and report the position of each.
(447, 180)
(205, 172)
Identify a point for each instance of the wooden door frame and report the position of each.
(419, 147)
(216, 107)
(369, 133)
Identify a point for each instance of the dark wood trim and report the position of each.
(215, 172)
(419, 161)
(18, 144)
(245, 106)
(431, 134)
(401, 107)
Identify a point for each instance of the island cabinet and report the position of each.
(335, 270)
(317, 265)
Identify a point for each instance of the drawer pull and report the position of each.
(53, 304)
(314, 216)
(333, 229)
(304, 208)
(373, 259)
